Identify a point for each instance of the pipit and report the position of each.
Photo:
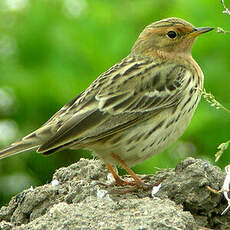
(135, 109)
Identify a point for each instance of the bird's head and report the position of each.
(171, 36)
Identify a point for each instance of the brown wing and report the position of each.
(122, 97)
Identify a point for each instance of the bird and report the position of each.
(135, 109)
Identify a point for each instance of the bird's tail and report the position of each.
(29, 142)
(16, 148)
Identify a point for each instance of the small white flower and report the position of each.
(54, 183)
(225, 188)
(155, 189)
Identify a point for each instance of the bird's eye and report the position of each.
(171, 34)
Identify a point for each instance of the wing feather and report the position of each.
(119, 98)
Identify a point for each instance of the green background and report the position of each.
(51, 50)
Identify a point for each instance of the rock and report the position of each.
(78, 198)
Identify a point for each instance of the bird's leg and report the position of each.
(118, 180)
(137, 181)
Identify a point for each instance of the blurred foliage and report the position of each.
(51, 50)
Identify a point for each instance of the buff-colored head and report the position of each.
(168, 36)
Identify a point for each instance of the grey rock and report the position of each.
(82, 200)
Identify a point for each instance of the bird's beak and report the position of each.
(200, 30)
